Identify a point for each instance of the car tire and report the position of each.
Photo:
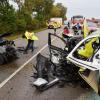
(5, 58)
(1, 59)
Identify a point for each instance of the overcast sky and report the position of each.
(87, 8)
(13, 3)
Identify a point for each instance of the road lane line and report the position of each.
(21, 67)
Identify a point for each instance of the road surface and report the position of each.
(16, 80)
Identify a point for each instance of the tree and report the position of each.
(55, 11)
(63, 10)
(7, 17)
(47, 8)
(28, 5)
(58, 10)
(19, 3)
(3, 2)
(43, 8)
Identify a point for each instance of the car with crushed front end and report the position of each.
(7, 51)
(79, 63)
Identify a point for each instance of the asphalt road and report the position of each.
(8, 69)
(18, 86)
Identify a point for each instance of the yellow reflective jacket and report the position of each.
(31, 35)
(88, 50)
(85, 29)
(55, 25)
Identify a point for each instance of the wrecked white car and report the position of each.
(79, 63)
(86, 55)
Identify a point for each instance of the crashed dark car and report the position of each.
(7, 51)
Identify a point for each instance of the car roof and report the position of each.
(78, 16)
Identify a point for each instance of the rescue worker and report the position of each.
(65, 36)
(78, 26)
(68, 24)
(55, 27)
(65, 32)
(30, 37)
(87, 52)
(85, 29)
(88, 49)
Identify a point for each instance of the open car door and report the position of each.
(86, 55)
(56, 47)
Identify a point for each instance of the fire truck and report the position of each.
(77, 19)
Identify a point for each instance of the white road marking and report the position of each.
(21, 67)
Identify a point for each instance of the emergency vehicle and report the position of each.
(54, 23)
(77, 19)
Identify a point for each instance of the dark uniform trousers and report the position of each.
(30, 45)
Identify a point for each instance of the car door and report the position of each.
(56, 46)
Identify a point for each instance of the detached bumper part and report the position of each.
(40, 82)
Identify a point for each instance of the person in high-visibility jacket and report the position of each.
(85, 29)
(31, 37)
(88, 49)
(55, 27)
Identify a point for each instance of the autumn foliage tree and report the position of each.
(23, 18)
(7, 17)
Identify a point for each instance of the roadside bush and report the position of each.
(42, 24)
(28, 20)
(35, 24)
(7, 19)
(21, 25)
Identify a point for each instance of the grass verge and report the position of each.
(17, 35)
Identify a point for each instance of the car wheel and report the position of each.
(1, 59)
(5, 58)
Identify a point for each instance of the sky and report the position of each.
(14, 4)
(87, 8)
